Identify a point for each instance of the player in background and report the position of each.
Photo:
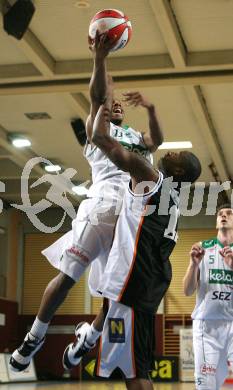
(138, 271)
(210, 273)
(92, 230)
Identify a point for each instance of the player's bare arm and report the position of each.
(98, 84)
(138, 167)
(153, 138)
(191, 278)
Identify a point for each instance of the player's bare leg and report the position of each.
(98, 322)
(54, 295)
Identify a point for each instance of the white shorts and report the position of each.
(213, 349)
(90, 239)
(127, 342)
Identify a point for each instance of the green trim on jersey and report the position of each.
(211, 242)
(125, 127)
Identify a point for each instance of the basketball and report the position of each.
(116, 23)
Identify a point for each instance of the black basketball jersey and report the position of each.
(138, 271)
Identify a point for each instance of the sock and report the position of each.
(39, 328)
(92, 335)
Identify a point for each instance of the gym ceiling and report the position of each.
(180, 57)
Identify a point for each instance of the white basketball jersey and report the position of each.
(107, 179)
(214, 294)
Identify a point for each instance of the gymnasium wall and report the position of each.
(8, 325)
(3, 251)
(37, 274)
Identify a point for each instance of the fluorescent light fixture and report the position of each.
(80, 190)
(82, 4)
(21, 142)
(52, 168)
(176, 145)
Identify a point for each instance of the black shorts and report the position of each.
(127, 342)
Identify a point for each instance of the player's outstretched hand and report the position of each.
(101, 45)
(136, 99)
(227, 253)
(196, 254)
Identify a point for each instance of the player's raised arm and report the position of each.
(153, 138)
(98, 84)
(138, 167)
(192, 275)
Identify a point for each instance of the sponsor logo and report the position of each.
(210, 244)
(220, 276)
(116, 328)
(165, 369)
(208, 369)
(75, 251)
(221, 295)
(135, 148)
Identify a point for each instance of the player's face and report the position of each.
(117, 115)
(171, 163)
(225, 219)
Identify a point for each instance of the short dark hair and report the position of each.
(192, 168)
(224, 206)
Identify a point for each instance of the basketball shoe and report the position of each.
(21, 357)
(75, 351)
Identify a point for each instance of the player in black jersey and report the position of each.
(138, 272)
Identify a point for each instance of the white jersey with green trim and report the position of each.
(107, 179)
(214, 299)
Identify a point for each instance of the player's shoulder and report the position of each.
(211, 242)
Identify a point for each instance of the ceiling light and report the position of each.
(176, 145)
(80, 190)
(37, 116)
(52, 168)
(20, 142)
(82, 4)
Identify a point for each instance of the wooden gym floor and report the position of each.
(95, 386)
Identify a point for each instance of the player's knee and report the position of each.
(65, 281)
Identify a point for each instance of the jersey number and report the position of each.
(118, 133)
(170, 231)
(211, 259)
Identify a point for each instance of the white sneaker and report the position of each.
(21, 357)
(75, 351)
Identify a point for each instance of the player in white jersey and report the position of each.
(138, 271)
(211, 273)
(92, 230)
